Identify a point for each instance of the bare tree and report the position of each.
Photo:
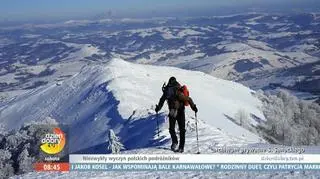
(114, 143)
(242, 117)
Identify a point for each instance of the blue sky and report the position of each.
(24, 9)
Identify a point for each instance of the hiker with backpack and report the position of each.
(177, 98)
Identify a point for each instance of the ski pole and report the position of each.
(157, 116)
(197, 133)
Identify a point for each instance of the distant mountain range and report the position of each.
(262, 51)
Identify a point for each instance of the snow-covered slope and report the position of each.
(241, 60)
(121, 95)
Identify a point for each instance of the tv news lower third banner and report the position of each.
(194, 162)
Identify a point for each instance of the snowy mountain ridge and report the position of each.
(125, 94)
(121, 96)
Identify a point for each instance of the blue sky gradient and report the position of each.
(37, 9)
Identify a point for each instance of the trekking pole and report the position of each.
(197, 133)
(157, 116)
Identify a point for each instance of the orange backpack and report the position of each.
(185, 92)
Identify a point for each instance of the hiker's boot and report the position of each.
(174, 146)
(179, 150)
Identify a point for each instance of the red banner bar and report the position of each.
(46, 166)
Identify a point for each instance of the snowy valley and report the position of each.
(259, 50)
